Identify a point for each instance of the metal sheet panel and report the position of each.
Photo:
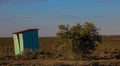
(21, 43)
(31, 40)
(16, 44)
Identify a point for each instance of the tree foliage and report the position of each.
(81, 38)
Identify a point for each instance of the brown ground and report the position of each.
(55, 62)
(105, 52)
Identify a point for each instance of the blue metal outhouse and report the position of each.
(26, 39)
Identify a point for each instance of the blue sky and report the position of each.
(16, 15)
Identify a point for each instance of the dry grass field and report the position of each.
(106, 54)
(55, 62)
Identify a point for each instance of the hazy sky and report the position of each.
(16, 15)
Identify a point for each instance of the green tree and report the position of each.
(81, 39)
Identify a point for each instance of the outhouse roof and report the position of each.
(27, 30)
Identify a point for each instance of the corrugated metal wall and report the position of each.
(31, 40)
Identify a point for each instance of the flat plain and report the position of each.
(106, 54)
